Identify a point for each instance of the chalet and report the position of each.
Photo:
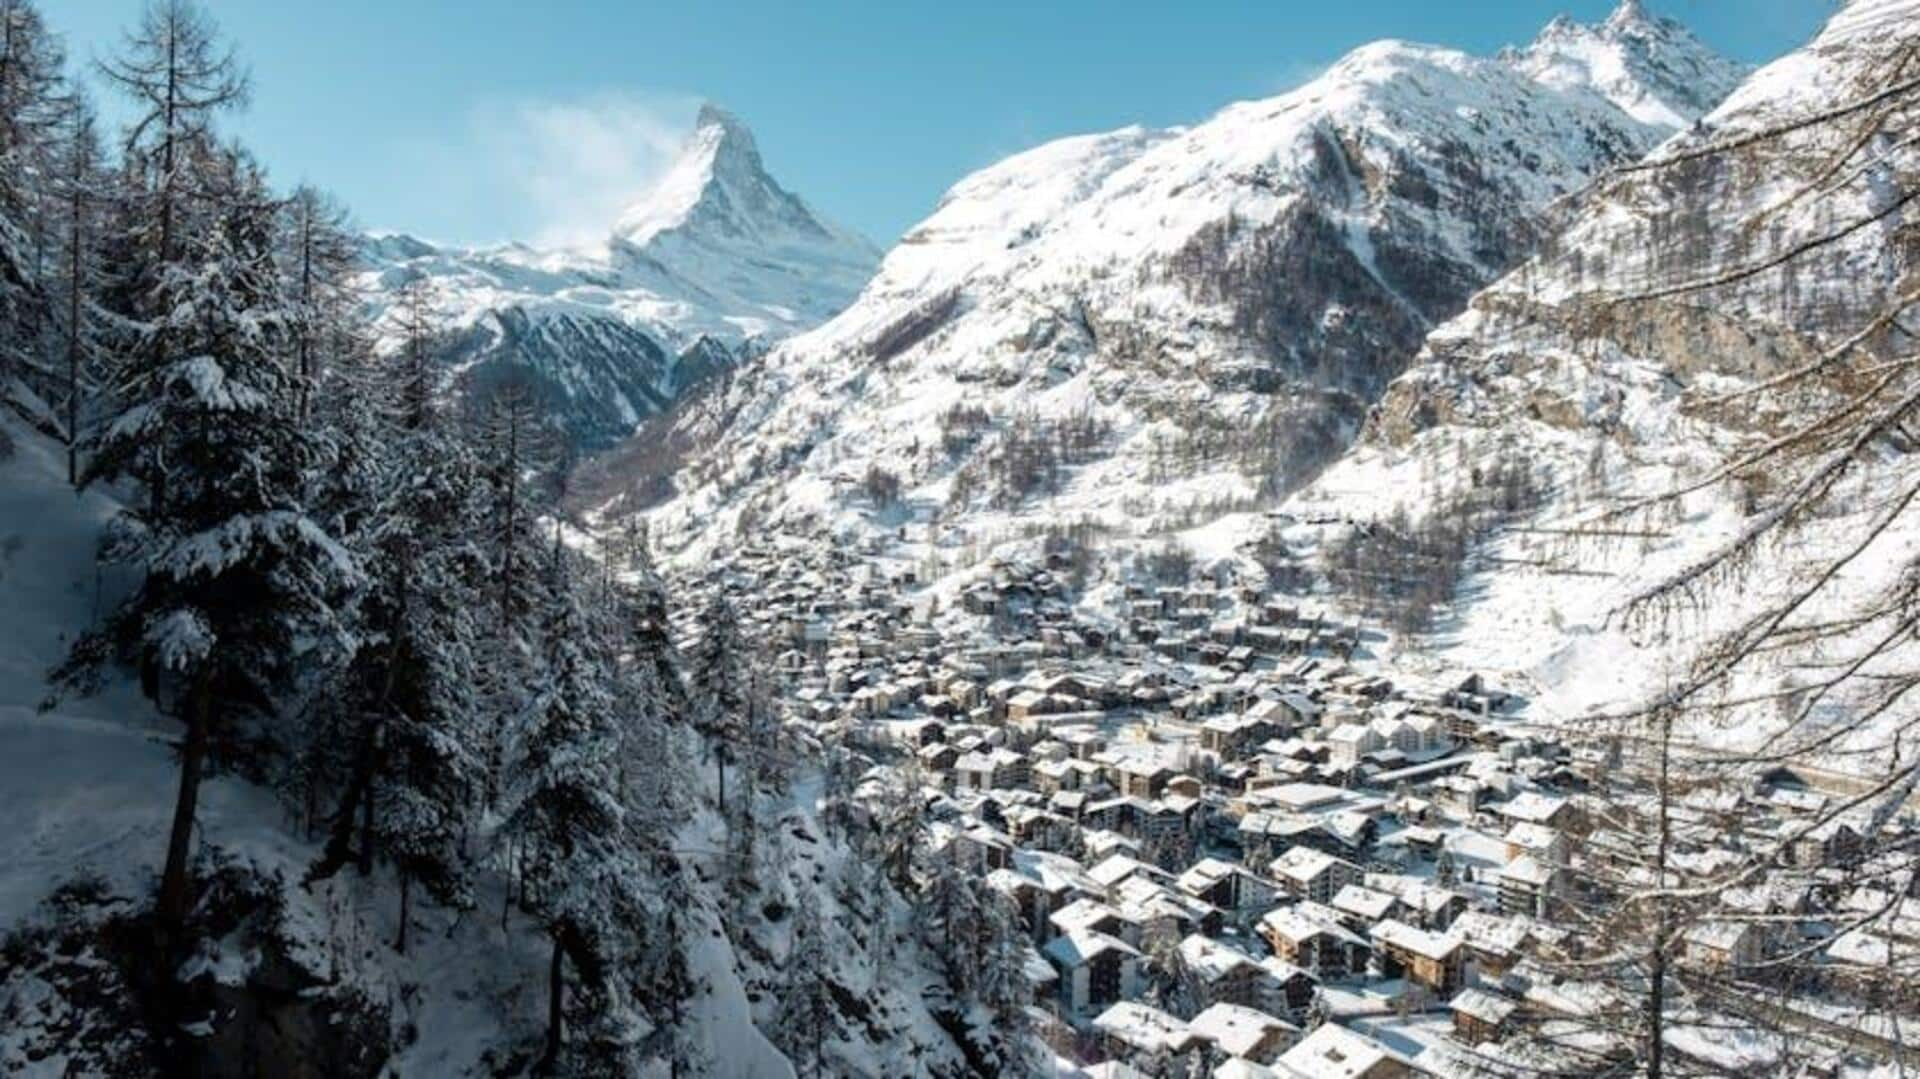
(1026, 897)
(1284, 989)
(1546, 845)
(1287, 712)
(1459, 795)
(1475, 694)
(1424, 958)
(1028, 704)
(1236, 1032)
(1493, 943)
(1227, 885)
(1170, 816)
(1528, 887)
(1422, 904)
(1334, 1052)
(1163, 917)
(1061, 880)
(1721, 945)
(1113, 870)
(1137, 778)
(1305, 873)
(1361, 906)
(1086, 915)
(1350, 742)
(1129, 1027)
(1096, 970)
(1032, 826)
(981, 848)
(1532, 807)
(1310, 937)
(1052, 776)
(1082, 742)
(1219, 973)
(1480, 1016)
(990, 770)
(1233, 736)
(1425, 842)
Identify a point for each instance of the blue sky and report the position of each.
(489, 120)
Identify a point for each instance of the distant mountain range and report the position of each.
(716, 263)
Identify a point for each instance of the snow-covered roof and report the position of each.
(1409, 938)
(1210, 959)
(1144, 1027)
(1482, 1005)
(1236, 1030)
(1334, 1052)
(1080, 947)
(1364, 902)
(1532, 806)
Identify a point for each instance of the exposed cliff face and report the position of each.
(1155, 319)
(710, 267)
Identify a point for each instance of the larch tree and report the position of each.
(319, 255)
(1817, 668)
(179, 76)
(83, 187)
(35, 100)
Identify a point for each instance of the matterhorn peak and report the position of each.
(712, 115)
(726, 137)
(716, 206)
(1628, 13)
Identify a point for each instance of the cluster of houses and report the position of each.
(1236, 850)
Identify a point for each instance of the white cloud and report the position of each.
(574, 165)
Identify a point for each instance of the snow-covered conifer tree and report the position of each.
(565, 822)
(718, 684)
(239, 581)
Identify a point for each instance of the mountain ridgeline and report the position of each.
(1134, 323)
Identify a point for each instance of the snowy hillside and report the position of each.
(1617, 401)
(1167, 323)
(87, 790)
(715, 263)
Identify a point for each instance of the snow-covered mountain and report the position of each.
(1648, 65)
(716, 262)
(1144, 323)
(1588, 363)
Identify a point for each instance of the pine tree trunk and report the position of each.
(556, 991)
(366, 827)
(73, 346)
(406, 911)
(175, 894)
